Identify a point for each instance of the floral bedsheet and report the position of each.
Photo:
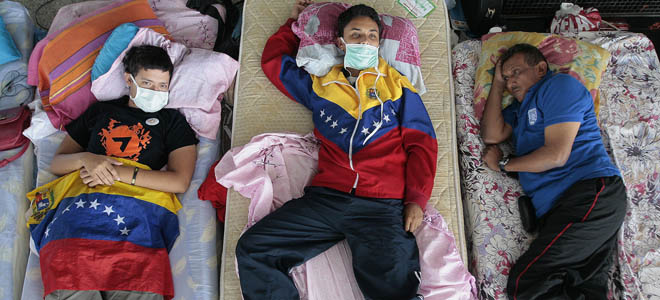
(629, 120)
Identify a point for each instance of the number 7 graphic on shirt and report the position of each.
(123, 140)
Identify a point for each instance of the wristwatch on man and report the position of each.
(502, 163)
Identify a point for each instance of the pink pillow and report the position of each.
(317, 29)
(199, 79)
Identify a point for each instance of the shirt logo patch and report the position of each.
(123, 140)
(152, 121)
(372, 93)
(531, 116)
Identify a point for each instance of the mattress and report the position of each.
(193, 257)
(260, 108)
(17, 176)
(17, 180)
(629, 120)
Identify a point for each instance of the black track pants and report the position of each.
(574, 250)
(385, 257)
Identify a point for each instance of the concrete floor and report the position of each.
(47, 13)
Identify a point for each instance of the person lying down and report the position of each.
(376, 168)
(104, 229)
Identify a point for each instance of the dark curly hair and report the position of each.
(355, 11)
(147, 57)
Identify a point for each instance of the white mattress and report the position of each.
(17, 178)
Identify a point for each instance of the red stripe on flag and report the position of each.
(82, 264)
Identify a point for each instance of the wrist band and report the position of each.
(503, 162)
(134, 175)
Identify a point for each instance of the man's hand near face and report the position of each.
(498, 79)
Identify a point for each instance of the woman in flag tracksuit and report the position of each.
(376, 167)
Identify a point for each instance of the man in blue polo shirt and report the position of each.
(577, 192)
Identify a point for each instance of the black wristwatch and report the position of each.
(502, 163)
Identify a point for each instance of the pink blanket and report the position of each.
(275, 168)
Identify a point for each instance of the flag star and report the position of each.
(47, 231)
(108, 210)
(386, 118)
(334, 124)
(119, 219)
(66, 209)
(125, 231)
(322, 113)
(376, 124)
(393, 112)
(328, 119)
(343, 130)
(94, 204)
(80, 203)
(365, 130)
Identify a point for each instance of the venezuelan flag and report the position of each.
(104, 238)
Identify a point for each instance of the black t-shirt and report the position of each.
(113, 128)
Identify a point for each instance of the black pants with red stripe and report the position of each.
(573, 252)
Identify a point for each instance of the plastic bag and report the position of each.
(572, 18)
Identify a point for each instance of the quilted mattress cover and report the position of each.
(261, 108)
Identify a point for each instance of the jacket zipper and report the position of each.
(357, 122)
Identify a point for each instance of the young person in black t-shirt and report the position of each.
(134, 127)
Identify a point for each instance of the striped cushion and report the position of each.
(65, 63)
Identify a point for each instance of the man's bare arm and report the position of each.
(554, 153)
(493, 128)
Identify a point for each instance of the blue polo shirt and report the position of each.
(557, 98)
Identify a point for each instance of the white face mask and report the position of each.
(360, 56)
(149, 100)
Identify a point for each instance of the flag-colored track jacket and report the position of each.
(376, 137)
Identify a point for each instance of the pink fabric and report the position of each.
(185, 25)
(259, 171)
(59, 24)
(274, 168)
(188, 26)
(200, 77)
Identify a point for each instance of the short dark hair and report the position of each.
(147, 57)
(533, 55)
(355, 11)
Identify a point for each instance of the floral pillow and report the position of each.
(582, 60)
(317, 29)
